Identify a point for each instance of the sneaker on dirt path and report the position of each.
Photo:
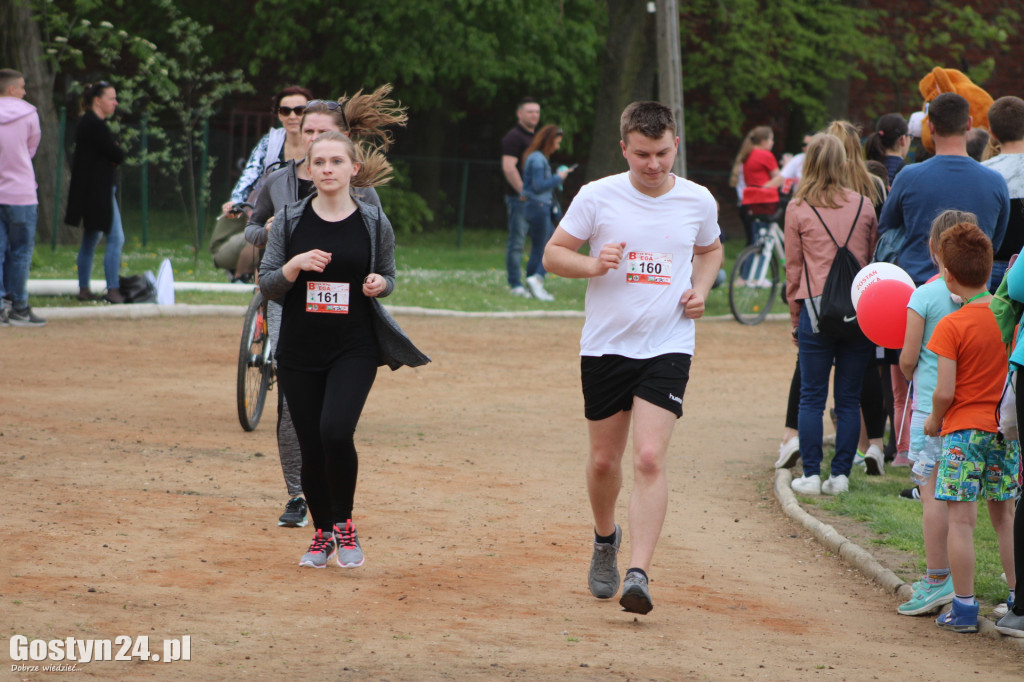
(604, 568)
(789, 453)
(294, 515)
(1011, 625)
(320, 550)
(928, 597)
(636, 596)
(350, 552)
(24, 318)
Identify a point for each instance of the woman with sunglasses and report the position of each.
(92, 195)
(328, 259)
(278, 146)
(539, 185)
(363, 116)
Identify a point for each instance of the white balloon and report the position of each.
(875, 272)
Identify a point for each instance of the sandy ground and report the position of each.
(134, 505)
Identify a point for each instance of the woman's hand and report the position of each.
(310, 261)
(374, 285)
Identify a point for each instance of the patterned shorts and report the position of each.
(976, 464)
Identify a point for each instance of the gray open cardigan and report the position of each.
(394, 347)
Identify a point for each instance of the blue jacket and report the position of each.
(539, 182)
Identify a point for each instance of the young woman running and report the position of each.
(328, 259)
(363, 116)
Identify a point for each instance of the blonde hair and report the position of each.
(374, 168)
(369, 115)
(946, 220)
(822, 182)
(856, 172)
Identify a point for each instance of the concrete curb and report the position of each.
(857, 556)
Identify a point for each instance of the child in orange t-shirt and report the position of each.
(975, 459)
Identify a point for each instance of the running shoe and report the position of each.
(807, 485)
(320, 550)
(927, 597)
(350, 552)
(294, 514)
(604, 568)
(1011, 625)
(636, 596)
(536, 285)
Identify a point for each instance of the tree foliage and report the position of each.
(738, 52)
(161, 72)
(448, 55)
(951, 35)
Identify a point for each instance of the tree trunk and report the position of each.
(628, 73)
(23, 47)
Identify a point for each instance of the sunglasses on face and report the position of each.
(287, 111)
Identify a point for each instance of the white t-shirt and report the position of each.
(634, 311)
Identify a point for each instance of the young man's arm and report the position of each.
(562, 257)
(912, 344)
(707, 261)
(510, 167)
(942, 398)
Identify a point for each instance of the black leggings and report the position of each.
(325, 408)
(1018, 519)
(871, 405)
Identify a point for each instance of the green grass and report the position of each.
(433, 272)
(875, 501)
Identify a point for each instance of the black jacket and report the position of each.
(93, 170)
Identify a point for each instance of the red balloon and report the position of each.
(882, 313)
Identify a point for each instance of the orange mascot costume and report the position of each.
(950, 80)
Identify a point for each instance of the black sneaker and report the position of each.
(911, 494)
(24, 318)
(294, 514)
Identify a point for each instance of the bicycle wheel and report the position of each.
(254, 364)
(753, 284)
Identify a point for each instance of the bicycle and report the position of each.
(255, 357)
(755, 281)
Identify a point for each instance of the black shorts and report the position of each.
(611, 381)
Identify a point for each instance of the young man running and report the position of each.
(654, 240)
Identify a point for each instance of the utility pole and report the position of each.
(670, 70)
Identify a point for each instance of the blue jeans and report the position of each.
(998, 270)
(17, 240)
(538, 220)
(112, 257)
(818, 353)
(514, 209)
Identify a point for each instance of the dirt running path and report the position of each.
(135, 505)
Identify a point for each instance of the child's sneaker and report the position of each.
(960, 618)
(927, 598)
